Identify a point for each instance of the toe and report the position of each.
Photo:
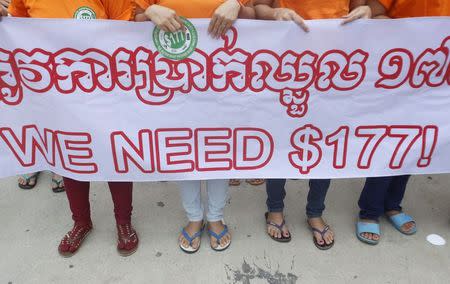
(319, 239)
(196, 243)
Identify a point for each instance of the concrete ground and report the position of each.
(32, 223)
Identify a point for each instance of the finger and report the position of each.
(224, 28)
(171, 27)
(180, 21)
(163, 27)
(216, 27)
(299, 20)
(176, 24)
(351, 17)
(140, 18)
(367, 16)
(212, 24)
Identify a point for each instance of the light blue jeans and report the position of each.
(215, 202)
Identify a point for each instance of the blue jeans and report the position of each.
(215, 203)
(381, 194)
(318, 189)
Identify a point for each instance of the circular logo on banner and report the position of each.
(85, 13)
(178, 45)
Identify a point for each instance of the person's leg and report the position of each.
(371, 202)
(192, 203)
(218, 193)
(315, 206)
(78, 196)
(122, 196)
(318, 189)
(276, 193)
(394, 198)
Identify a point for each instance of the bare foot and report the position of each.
(277, 218)
(369, 236)
(407, 227)
(319, 224)
(218, 227)
(32, 178)
(191, 228)
(57, 183)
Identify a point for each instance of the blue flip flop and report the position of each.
(190, 239)
(364, 227)
(218, 238)
(401, 219)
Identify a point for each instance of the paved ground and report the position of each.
(33, 222)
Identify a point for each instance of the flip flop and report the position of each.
(60, 185)
(27, 179)
(190, 239)
(401, 219)
(218, 238)
(322, 233)
(255, 182)
(234, 182)
(283, 239)
(364, 227)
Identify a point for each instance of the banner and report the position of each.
(107, 100)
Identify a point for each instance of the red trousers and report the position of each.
(78, 195)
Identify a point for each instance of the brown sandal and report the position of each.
(283, 239)
(234, 182)
(255, 182)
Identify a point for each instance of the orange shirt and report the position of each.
(78, 9)
(318, 9)
(416, 8)
(187, 8)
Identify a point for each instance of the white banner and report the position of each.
(95, 100)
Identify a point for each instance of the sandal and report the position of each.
(234, 182)
(127, 239)
(255, 182)
(283, 239)
(218, 237)
(401, 219)
(365, 227)
(59, 185)
(27, 179)
(73, 240)
(322, 233)
(190, 239)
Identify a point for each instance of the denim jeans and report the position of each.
(318, 189)
(191, 198)
(381, 194)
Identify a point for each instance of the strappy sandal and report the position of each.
(283, 239)
(322, 233)
(255, 182)
(59, 185)
(234, 182)
(190, 239)
(218, 237)
(27, 179)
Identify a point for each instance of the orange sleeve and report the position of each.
(17, 9)
(120, 9)
(144, 3)
(386, 3)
